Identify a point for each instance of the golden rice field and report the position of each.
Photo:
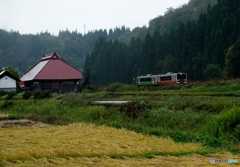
(81, 144)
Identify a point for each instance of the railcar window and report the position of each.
(145, 79)
(166, 78)
(183, 76)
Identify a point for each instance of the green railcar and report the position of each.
(146, 80)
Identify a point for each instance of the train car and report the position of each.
(171, 78)
(146, 80)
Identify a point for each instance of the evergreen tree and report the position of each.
(149, 54)
(212, 72)
(12, 71)
(232, 60)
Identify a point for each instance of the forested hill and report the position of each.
(173, 17)
(21, 52)
(203, 48)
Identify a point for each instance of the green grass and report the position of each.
(225, 125)
(205, 112)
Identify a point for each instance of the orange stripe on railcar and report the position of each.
(166, 82)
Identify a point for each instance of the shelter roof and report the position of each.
(52, 68)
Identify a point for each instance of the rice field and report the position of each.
(80, 144)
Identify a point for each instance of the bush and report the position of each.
(27, 95)
(212, 72)
(6, 104)
(120, 87)
(2, 93)
(10, 95)
(114, 87)
(42, 94)
(214, 142)
(135, 108)
(91, 88)
(225, 125)
(182, 136)
(173, 120)
(236, 132)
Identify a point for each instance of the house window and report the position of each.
(6, 78)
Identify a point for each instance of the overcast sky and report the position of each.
(35, 16)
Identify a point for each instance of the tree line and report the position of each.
(205, 48)
(21, 52)
(187, 39)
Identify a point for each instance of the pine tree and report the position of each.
(232, 60)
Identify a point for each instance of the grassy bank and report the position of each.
(208, 114)
(161, 125)
(204, 119)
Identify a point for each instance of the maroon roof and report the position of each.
(52, 68)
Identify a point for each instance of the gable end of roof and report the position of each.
(6, 73)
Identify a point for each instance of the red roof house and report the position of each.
(52, 73)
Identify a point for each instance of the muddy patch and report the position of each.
(20, 122)
(48, 119)
(32, 120)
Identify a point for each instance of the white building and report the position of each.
(8, 82)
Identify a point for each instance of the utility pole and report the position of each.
(84, 29)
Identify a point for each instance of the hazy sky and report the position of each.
(33, 16)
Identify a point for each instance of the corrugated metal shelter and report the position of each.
(8, 82)
(51, 73)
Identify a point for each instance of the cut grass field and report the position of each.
(82, 140)
(81, 144)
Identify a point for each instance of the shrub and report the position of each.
(114, 87)
(42, 94)
(2, 93)
(10, 95)
(236, 132)
(73, 99)
(27, 95)
(214, 142)
(212, 72)
(182, 136)
(225, 125)
(135, 108)
(91, 88)
(120, 87)
(6, 104)
(174, 120)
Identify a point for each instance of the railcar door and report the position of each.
(181, 78)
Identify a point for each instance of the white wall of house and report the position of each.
(7, 84)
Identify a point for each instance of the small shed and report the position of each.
(8, 82)
(52, 73)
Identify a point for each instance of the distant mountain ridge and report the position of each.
(173, 17)
(21, 52)
(205, 48)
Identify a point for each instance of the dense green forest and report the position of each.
(204, 48)
(173, 17)
(199, 38)
(21, 52)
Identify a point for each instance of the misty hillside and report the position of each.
(21, 52)
(173, 17)
(205, 48)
